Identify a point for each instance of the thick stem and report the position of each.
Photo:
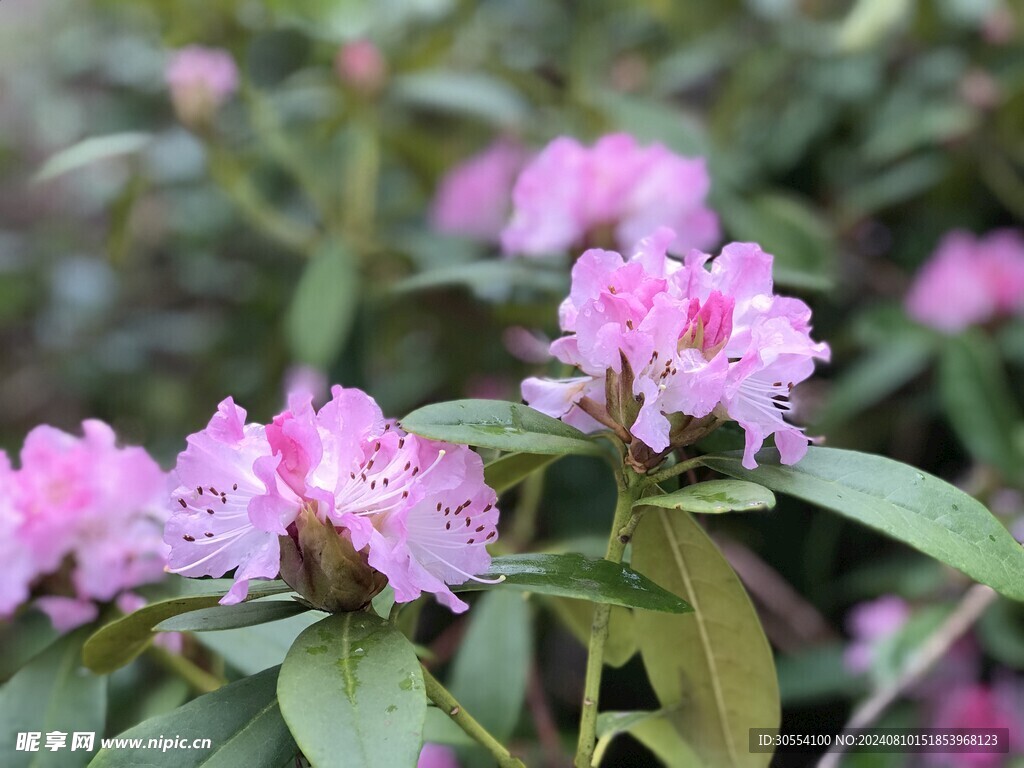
(629, 491)
(443, 698)
(666, 474)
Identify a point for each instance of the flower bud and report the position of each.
(319, 562)
(361, 66)
(200, 79)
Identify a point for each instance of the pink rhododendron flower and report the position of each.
(437, 756)
(200, 79)
(569, 194)
(694, 346)
(869, 623)
(419, 510)
(474, 198)
(80, 502)
(1000, 705)
(969, 280)
(361, 65)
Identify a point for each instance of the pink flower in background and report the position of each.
(969, 280)
(474, 198)
(975, 705)
(200, 79)
(702, 346)
(437, 756)
(418, 510)
(81, 502)
(570, 194)
(361, 65)
(870, 622)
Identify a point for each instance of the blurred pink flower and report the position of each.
(474, 198)
(437, 756)
(702, 346)
(870, 622)
(569, 194)
(969, 280)
(200, 79)
(306, 380)
(975, 705)
(419, 509)
(83, 503)
(360, 65)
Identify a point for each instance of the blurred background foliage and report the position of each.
(148, 270)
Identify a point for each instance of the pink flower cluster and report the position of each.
(869, 623)
(419, 510)
(569, 194)
(200, 79)
(84, 521)
(475, 197)
(975, 705)
(969, 280)
(695, 345)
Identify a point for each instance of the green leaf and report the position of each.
(52, 693)
(498, 424)
(487, 279)
(979, 403)
(511, 469)
(254, 649)
(324, 305)
(652, 729)
(242, 721)
(121, 641)
(574, 575)
(714, 496)
(21, 638)
(232, 616)
(916, 508)
(816, 675)
(715, 666)
(578, 616)
(89, 151)
(351, 688)
(476, 94)
(489, 673)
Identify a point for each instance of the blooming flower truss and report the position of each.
(200, 79)
(669, 350)
(574, 196)
(84, 519)
(474, 198)
(414, 510)
(969, 280)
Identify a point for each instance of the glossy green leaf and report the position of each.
(254, 649)
(324, 305)
(715, 666)
(578, 616)
(714, 496)
(495, 649)
(242, 721)
(351, 689)
(470, 93)
(916, 508)
(979, 403)
(91, 150)
(498, 424)
(121, 641)
(510, 470)
(574, 575)
(52, 693)
(652, 729)
(232, 616)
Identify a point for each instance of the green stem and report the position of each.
(666, 474)
(630, 489)
(443, 698)
(198, 679)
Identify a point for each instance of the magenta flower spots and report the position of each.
(83, 502)
(418, 511)
(474, 198)
(613, 193)
(969, 280)
(694, 347)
